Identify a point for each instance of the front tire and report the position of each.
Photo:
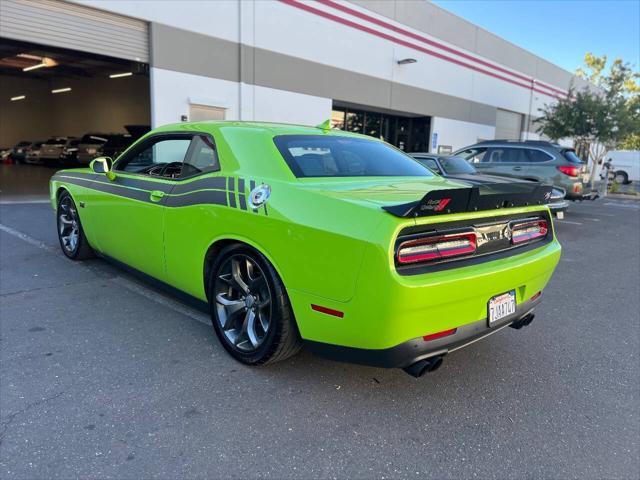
(250, 309)
(73, 242)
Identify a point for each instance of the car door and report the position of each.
(128, 212)
(196, 213)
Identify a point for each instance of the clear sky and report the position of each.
(561, 31)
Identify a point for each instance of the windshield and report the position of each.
(571, 156)
(324, 156)
(456, 166)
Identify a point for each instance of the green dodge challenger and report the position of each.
(297, 235)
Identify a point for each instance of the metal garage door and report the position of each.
(508, 125)
(61, 24)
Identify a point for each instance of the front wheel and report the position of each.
(70, 233)
(250, 308)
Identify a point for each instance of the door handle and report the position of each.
(517, 168)
(156, 195)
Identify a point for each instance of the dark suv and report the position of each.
(532, 160)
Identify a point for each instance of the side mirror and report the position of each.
(103, 165)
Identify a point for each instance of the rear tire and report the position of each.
(250, 309)
(71, 236)
(621, 177)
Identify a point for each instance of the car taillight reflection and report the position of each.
(528, 231)
(429, 249)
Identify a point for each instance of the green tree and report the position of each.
(604, 117)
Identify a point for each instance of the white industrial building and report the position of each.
(404, 70)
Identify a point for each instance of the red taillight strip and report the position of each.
(541, 225)
(444, 333)
(327, 311)
(444, 252)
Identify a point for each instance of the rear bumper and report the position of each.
(409, 352)
(560, 206)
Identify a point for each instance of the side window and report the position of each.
(494, 155)
(162, 158)
(514, 155)
(202, 157)
(537, 156)
(474, 155)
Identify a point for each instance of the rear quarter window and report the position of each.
(538, 156)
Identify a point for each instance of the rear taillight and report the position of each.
(528, 231)
(570, 170)
(429, 249)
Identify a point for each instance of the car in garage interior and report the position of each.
(118, 143)
(89, 146)
(457, 168)
(33, 152)
(19, 151)
(541, 161)
(69, 154)
(297, 235)
(52, 149)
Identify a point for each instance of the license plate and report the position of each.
(501, 306)
(560, 215)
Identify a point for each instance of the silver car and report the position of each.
(51, 149)
(90, 146)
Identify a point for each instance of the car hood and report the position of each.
(379, 191)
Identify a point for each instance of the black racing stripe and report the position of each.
(143, 184)
(241, 194)
(113, 189)
(139, 183)
(266, 212)
(202, 197)
(212, 183)
(232, 184)
(232, 200)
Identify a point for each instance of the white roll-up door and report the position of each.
(68, 25)
(508, 125)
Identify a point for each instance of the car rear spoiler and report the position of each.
(484, 197)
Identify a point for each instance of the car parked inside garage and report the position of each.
(541, 161)
(52, 149)
(33, 152)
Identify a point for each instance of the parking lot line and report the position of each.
(23, 202)
(569, 222)
(27, 238)
(134, 287)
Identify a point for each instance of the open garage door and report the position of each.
(69, 25)
(62, 108)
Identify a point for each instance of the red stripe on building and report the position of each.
(399, 41)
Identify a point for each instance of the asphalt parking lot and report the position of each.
(104, 377)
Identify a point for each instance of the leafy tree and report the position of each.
(603, 117)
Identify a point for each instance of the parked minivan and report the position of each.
(532, 160)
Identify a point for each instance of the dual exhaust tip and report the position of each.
(421, 367)
(432, 364)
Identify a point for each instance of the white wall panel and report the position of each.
(280, 106)
(171, 92)
(459, 134)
